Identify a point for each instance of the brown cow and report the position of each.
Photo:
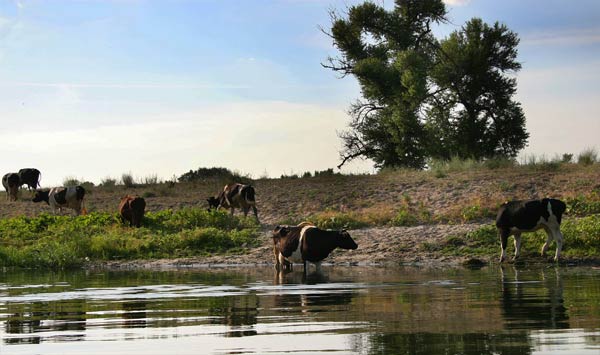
(11, 183)
(306, 243)
(132, 209)
(235, 196)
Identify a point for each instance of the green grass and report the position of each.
(581, 241)
(49, 241)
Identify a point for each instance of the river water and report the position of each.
(343, 310)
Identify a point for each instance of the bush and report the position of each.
(71, 181)
(127, 180)
(108, 182)
(588, 157)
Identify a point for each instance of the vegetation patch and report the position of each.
(581, 240)
(49, 241)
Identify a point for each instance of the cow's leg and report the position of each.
(231, 211)
(548, 240)
(504, 233)
(255, 213)
(318, 266)
(305, 267)
(558, 237)
(517, 245)
(246, 210)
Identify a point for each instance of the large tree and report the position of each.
(422, 97)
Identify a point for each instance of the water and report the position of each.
(354, 310)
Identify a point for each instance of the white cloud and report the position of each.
(561, 108)
(457, 2)
(563, 37)
(252, 137)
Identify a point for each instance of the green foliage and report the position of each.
(588, 157)
(62, 241)
(223, 174)
(584, 205)
(424, 97)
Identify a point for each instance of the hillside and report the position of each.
(460, 196)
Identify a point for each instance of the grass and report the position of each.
(49, 241)
(581, 241)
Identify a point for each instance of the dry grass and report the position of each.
(456, 197)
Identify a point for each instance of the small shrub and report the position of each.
(108, 182)
(499, 163)
(148, 194)
(71, 181)
(151, 179)
(127, 180)
(567, 158)
(587, 157)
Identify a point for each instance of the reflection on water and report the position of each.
(355, 310)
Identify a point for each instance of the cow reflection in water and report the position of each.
(33, 323)
(533, 301)
(239, 314)
(134, 314)
(311, 299)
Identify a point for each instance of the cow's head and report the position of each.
(213, 202)
(280, 231)
(344, 240)
(41, 196)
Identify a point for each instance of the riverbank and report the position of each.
(396, 217)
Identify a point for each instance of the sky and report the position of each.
(92, 89)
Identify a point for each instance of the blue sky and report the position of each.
(92, 89)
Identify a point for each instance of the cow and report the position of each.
(131, 209)
(59, 197)
(30, 177)
(516, 217)
(11, 184)
(306, 243)
(235, 196)
(279, 238)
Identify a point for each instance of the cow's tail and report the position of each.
(248, 194)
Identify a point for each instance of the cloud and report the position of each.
(457, 2)
(252, 137)
(580, 36)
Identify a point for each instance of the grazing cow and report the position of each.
(59, 197)
(11, 184)
(31, 177)
(306, 243)
(235, 196)
(132, 209)
(516, 217)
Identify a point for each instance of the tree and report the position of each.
(473, 114)
(424, 98)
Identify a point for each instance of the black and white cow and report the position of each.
(11, 184)
(306, 243)
(235, 196)
(30, 177)
(516, 217)
(63, 197)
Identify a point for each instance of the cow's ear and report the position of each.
(284, 231)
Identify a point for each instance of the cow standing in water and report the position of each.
(131, 209)
(306, 243)
(63, 197)
(235, 196)
(30, 177)
(516, 217)
(11, 184)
